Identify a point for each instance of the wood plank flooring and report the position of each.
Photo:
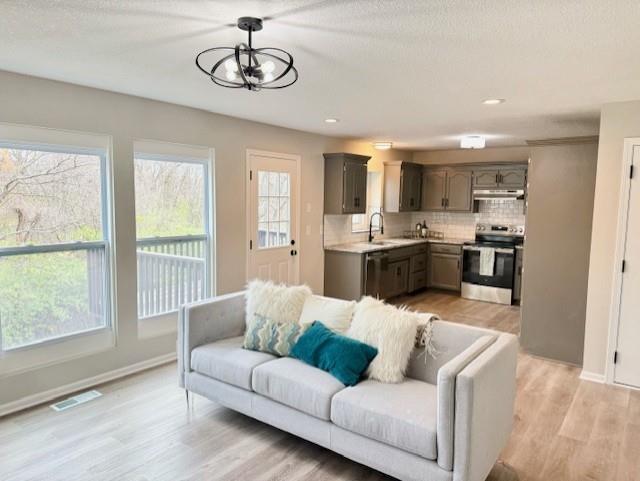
(142, 430)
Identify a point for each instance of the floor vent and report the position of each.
(75, 400)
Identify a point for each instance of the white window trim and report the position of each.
(84, 343)
(166, 323)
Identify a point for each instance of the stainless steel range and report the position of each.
(488, 265)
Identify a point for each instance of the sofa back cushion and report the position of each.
(277, 302)
(335, 314)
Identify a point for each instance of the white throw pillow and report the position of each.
(391, 330)
(335, 314)
(278, 302)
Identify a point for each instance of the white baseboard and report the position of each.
(592, 376)
(42, 397)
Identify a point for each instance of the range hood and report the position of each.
(491, 194)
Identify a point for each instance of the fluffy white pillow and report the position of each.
(391, 330)
(278, 302)
(335, 314)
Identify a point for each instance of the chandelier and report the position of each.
(246, 67)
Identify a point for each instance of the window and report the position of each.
(360, 222)
(54, 249)
(172, 226)
(274, 226)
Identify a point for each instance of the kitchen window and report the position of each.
(54, 241)
(360, 222)
(173, 247)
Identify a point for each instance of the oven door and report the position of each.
(502, 271)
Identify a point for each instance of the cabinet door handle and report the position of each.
(497, 178)
(442, 202)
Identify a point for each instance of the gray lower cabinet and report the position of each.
(396, 279)
(445, 266)
(385, 274)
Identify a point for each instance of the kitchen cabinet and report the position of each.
(447, 190)
(500, 178)
(345, 183)
(396, 279)
(402, 186)
(445, 266)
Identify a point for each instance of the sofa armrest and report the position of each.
(484, 407)
(206, 321)
(447, 375)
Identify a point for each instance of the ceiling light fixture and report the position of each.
(332, 121)
(493, 101)
(472, 142)
(248, 67)
(382, 145)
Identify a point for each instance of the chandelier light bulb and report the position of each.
(231, 75)
(268, 67)
(231, 65)
(268, 77)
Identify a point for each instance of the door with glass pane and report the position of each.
(272, 210)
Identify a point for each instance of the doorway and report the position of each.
(626, 316)
(273, 216)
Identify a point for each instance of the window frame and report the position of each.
(208, 213)
(106, 244)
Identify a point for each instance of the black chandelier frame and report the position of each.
(250, 25)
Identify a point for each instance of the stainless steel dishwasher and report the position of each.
(377, 265)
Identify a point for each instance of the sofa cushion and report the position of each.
(297, 385)
(228, 362)
(272, 337)
(401, 415)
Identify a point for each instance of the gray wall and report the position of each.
(556, 255)
(47, 103)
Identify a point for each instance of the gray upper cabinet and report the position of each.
(459, 191)
(434, 189)
(345, 183)
(486, 179)
(500, 178)
(402, 186)
(515, 178)
(447, 189)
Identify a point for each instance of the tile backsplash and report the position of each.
(463, 225)
(337, 228)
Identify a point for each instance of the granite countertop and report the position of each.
(391, 243)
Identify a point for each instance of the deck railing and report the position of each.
(171, 272)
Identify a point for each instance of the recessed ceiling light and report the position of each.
(493, 101)
(472, 142)
(332, 121)
(383, 145)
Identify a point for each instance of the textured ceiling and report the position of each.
(414, 72)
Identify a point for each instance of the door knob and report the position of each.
(294, 252)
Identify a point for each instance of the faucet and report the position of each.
(371, 224)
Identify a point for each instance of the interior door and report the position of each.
(434, 189)
(459, 191)
(273, 212)
(627, 367)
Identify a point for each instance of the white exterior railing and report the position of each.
(171, 272)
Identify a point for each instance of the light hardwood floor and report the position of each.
(141, 429)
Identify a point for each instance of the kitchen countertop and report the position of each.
(364, 247)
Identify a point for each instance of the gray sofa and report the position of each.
(447, 421)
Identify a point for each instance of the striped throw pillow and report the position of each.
(273, 337)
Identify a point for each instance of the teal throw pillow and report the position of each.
(273, 337)
(344, 358)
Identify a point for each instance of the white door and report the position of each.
(273, 216)
(627, 366)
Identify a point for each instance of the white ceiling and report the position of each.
(414, 72)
